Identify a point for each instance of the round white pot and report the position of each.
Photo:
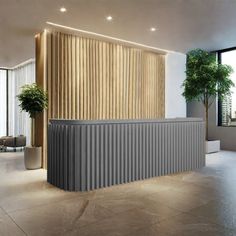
(33, 158)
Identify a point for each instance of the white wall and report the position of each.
(175, 105)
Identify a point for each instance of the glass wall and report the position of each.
(229, 103)
(19, 122)
(13, 121)
(3, 102)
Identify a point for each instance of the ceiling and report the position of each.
(181, 24)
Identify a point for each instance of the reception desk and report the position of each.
(86, 155)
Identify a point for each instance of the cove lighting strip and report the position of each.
(19, 65)
(107, 37)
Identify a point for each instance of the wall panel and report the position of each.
(89, 79)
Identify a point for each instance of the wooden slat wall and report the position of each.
(89, 79)
(41, 119)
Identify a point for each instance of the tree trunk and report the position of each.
(206, 119)
(32, 132)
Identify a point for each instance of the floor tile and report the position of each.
(58, 218)
(125, 223)
(29, 199)
(9, 228)
(219, 212)
(186, 225)
(178, 200)
(2, 212)
(120, 204)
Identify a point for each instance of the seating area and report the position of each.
(12, 142)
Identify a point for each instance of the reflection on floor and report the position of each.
(193, 203)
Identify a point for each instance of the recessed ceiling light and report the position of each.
(109, 18)
(63, 9)
(152, 29)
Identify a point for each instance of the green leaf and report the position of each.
(32, 99)
(205, 78)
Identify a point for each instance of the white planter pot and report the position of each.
(212, 146)
(33, 158)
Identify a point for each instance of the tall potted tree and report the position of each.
(205, 80)
(33, 100)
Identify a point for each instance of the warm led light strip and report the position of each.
(23, 63)
(18, 65)
(107, 37)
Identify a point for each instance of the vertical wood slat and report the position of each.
(90, 79)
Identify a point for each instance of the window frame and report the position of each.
(219, 60)
(7, 99)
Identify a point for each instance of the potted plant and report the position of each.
(33, 100)
(205, 80)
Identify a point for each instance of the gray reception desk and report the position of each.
(86, 155)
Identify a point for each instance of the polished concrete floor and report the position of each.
(192, 203)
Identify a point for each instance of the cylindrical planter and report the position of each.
(212, 146)
(33, 158)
